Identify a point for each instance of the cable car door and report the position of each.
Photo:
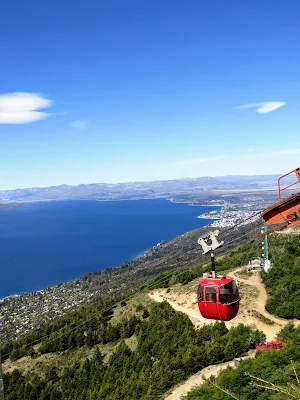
(211, 302)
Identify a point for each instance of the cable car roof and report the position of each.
(217, 281)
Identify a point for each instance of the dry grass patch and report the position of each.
(135, 306)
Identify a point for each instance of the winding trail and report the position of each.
(186, 304)
(257, 303)
(196, 380)
(260, 302)
(194, 316)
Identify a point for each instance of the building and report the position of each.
(256, 264)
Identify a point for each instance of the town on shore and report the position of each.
(232, 214)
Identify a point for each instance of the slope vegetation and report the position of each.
(125, 353)
(168, 350)
(273, 367)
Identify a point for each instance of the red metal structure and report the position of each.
(287, 210)
(218, 298)
(276, 345)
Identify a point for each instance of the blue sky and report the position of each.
(115, 91)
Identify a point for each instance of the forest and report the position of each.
(283, 279)
(272, 366)
(169, 349)
(55, 335)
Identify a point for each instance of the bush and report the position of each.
(146, 314)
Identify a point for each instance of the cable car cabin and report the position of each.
(287, 209)
(218, 298)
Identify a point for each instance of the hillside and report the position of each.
(20, 314)
(125, 354)
(165, 350)
(270, 375)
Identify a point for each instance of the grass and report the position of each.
(135, 306)
(261, 317)
(244, 274)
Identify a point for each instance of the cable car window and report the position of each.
(211, 294)
(199, 293)
(229, 293)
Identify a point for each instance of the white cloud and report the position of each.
(21, 108)
(264, 107)
(198, 160)
(79, 124)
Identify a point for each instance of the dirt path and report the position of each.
(254, 297)
(196, 380)
(260, 301)
(191, 310)
(194, 315)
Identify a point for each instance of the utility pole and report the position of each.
(265, 244)
(1, 380)
(265, 247)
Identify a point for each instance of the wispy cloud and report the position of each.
(280, 152)
(21, 108)
(264, 107)
(198, 160)
(79, 124)
(272, 154)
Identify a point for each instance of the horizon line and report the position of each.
(127, 182)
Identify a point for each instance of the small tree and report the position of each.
(146, 314)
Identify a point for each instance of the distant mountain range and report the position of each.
(135, 190)
(253, 180)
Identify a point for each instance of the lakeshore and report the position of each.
(50, 242)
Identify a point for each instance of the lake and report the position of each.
(42, 244)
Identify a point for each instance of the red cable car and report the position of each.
(287, 209)
(218, 298)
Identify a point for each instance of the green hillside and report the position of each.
(130, 348)
(168, 350)
(272, 366)
(283, 280)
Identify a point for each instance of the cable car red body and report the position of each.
(218, 298)
(287, 209)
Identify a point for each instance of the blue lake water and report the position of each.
(45, 243)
